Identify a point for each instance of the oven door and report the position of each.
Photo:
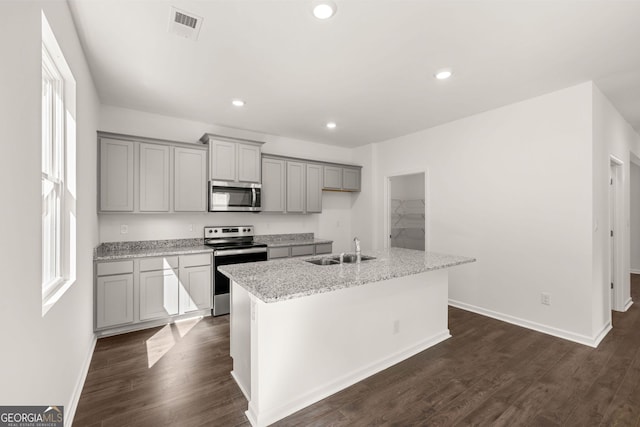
(230, 197)
(221, 284)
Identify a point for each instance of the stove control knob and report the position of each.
(215, 231)
(210, 231)
(248, 229)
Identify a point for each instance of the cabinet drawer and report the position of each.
(158, 263)
(118, 267)
(324, 248)
(282, 252)
(302, 250)
(195, 260)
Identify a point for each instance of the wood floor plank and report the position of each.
(488, 373)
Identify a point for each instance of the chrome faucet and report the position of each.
(341, 258)
(356, 242)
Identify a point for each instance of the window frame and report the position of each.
(58, 171)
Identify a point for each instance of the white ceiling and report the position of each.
(369, 68)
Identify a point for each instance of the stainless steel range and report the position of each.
(232, 245)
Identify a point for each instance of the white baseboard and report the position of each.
(628, 304)
(70, 410)
(634, 271)
(265, 418)
(549, 330)
(242, 389)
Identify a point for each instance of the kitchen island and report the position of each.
(301, 332)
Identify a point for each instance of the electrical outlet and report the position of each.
(396, 327)
(545, 298)
(124, 228)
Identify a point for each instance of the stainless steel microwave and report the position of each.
(234, 196)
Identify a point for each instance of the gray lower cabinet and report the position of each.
(114, 294)
(135, 294)
(299, 250)
(195, 292)
(158, 294)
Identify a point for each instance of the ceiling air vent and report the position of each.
(184, 24)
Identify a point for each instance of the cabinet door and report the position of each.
(223, 160)
(274, 185)
(190, 180)
(314, 188)
(295, 187)
(116, 175)
(114, 300)
(158, 294)
(195, 288)
(248, 163)
(351, 179)
(154, 178)
(332, 178)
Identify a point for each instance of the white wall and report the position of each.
(513, 188)
(612, 135)
(42, 358)
(634, 190)
(333, 223)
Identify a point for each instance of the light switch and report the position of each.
(124, 228)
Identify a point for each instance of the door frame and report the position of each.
(387, 206)
(616, 249)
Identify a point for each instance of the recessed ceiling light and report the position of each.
(238, 103)
(324, 9)
(331, 125)
(443, 74)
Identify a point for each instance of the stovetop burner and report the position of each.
(231, 237)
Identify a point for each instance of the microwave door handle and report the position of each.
(253, 197)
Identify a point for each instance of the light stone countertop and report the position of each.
(149, 248)
(283, 240)
(278, 280)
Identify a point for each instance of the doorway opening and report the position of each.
(407, 209)
(615, 233)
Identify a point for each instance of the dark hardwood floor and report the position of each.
(488, 373)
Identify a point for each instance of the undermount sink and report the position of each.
(347, 259)
(352, 258)
(323, 261)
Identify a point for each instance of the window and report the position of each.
(58, 171)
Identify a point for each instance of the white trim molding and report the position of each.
(628, 304)
(549, 330)
(70, 412)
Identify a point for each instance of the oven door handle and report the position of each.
(227, 252)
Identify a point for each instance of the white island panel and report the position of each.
(299, 351)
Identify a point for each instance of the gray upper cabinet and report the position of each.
(116, 175)
(223, 160)
(233, 159)
(342, 178)
(332, 178)
(154, 178)
(296, 172)
(190, 180)
(274, 185)
(248, 162)
(144, 175)
(314, 188)
(351, 179)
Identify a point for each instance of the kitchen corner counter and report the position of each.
(279, 280)
(283, 240)
(149, 248)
